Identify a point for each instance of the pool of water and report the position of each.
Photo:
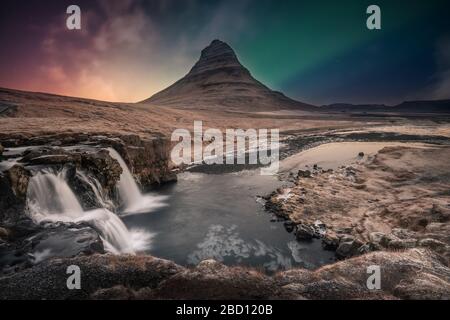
(220, 217)
(336, 154)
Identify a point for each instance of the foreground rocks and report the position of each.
(412, 274)
(397, 201)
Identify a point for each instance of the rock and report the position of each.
(320, 228)
(440, 213)
(330, 241)
(304, 174)
(1, 150)
(376, 237)
(18, 178)
(100, 272)
(348, 248)
(432, 244)
(4, 233)
(361, 154)
(146, 277)
(289, 226)
(304, 232)
(13, 189)
(402, 244)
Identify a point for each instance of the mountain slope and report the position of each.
(218, 80)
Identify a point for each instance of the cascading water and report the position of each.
(50, 198)
(97, 189)
(134, 201)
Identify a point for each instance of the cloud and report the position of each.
(128, 50)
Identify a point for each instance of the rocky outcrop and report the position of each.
(147, 157)
(13, 190)
(26, 244)
(412, 274)
(394, 202)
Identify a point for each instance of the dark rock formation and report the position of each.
(13, 189)
(146, 277)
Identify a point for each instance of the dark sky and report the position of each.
(315, 51)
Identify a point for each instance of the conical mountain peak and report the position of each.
(215, 56)
(219, 80)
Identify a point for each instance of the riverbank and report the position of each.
(397, 200)
(410, 274)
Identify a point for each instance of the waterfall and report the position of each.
(96, 187)
(50, 198)
(134, 201)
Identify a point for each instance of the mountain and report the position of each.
(421, 106)
(219, 80)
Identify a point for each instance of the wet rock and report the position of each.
(330, 241)
(289, 226)
(19, 177)
(149, 159)
(304, 232)
(320, 228)
(348, 248)
(13, 189)
(97, 163)
(4, 233)
(304, 174)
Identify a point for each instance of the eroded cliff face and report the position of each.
(78, 156)
(147, 157)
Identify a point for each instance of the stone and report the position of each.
(402, 244)
(330, 241)
(361, 154)
(304, 174)
(348, 249)
(432, 244)
(304, 232)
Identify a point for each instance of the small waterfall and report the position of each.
(134, 201)
(50, 198)
(96, 187)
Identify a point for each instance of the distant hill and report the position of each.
(425, 106)
(219, 80)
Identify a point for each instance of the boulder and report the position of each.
(304, 174)
(304, 232)
(348, 248)
(330, 241)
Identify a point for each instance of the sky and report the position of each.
(319, 52)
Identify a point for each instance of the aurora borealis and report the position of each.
(314, 51)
